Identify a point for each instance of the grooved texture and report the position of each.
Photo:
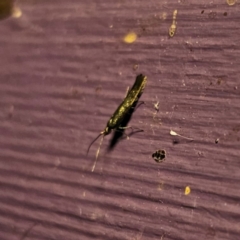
(64, 69)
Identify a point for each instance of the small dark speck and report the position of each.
(175, 141)
(225, 14)
(98, 89)
(159, 155)
(187, 206)
(236, 128)
(219, 81)
(202, 11)
(74, 92)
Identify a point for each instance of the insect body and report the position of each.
(116, 119)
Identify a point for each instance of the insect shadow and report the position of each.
(120, 132)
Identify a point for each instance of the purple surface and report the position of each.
(64, 70)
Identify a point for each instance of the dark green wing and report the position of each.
(128, 102)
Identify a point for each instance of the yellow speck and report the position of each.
(16, 13)
(173, 26)
(231, 2)
(172, 30)
(130, 37)
(175, 14)
(187, 190)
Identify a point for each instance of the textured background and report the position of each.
(64, 69)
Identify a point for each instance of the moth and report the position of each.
(114, 123)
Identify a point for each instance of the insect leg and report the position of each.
(132, 128)
(139, 104)
(120, 130)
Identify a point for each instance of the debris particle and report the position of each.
(217, 141)
(156, 106)
(212, 15)
(164, 15)
(225, 14)
(16, 12)
(187, 190)
(219, 81)
(159, 156)
(202, 11)
(176, 134)
(135, 67)
(160, 186)
(173, 27)
(231, 2)
(130, 37)
(200, 154)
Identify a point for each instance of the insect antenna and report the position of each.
(97, 153)
(93, 142)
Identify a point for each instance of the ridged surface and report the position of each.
(64, 69)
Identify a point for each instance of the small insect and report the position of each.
(159, 155)
(116, 119)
